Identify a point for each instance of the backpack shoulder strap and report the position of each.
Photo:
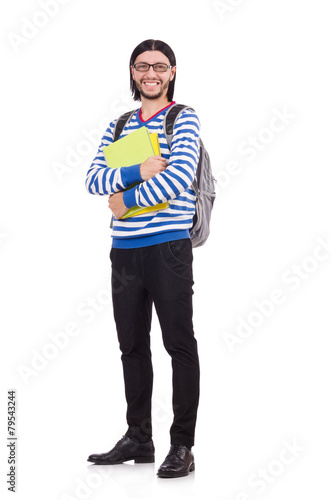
(170, 119)
(121, 122)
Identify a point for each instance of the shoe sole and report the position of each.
(169, 475)
(138, 460)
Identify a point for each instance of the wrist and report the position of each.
(129, 198)
(131, 174)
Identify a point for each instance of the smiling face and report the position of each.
(150, 84)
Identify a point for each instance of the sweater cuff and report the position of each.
(129, 198)
(131, 175)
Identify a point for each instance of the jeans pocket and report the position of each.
(181, 251)
(177, 257)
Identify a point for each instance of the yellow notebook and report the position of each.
(132, 149)
(155, 143)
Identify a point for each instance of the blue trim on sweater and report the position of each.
(154, 239)
(130, 175)
(129, 197)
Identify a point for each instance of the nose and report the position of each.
(150, 72)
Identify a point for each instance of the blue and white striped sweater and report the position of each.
(172, 185)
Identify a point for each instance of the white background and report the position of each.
(238, 68)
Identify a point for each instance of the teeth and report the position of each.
(151, 84)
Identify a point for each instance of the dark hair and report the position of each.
(152, 45)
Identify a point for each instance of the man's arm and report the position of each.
(102, 180)
(148, 169)
(179, 175)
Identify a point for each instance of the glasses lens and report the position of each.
(160, 68)
(141, 67)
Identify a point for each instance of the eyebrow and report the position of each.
(158, 62)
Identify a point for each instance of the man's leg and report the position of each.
(170, 282)
(132, 306)
(180, 343)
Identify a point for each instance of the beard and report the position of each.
(163, 89)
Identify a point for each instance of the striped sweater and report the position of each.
(172, 185)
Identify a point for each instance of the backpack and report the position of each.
(203, 183)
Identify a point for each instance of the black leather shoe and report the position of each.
(126, 449)
(179, 462)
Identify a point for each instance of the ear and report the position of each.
(173, 71)
(132, 71)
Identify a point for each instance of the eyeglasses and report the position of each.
(157, 67)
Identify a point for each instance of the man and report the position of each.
(155, 250)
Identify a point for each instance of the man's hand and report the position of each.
(148, 169)
(152, 166)
(116, 205)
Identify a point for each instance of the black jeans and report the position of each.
(159, 274)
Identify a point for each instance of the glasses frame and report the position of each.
(149, 65)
